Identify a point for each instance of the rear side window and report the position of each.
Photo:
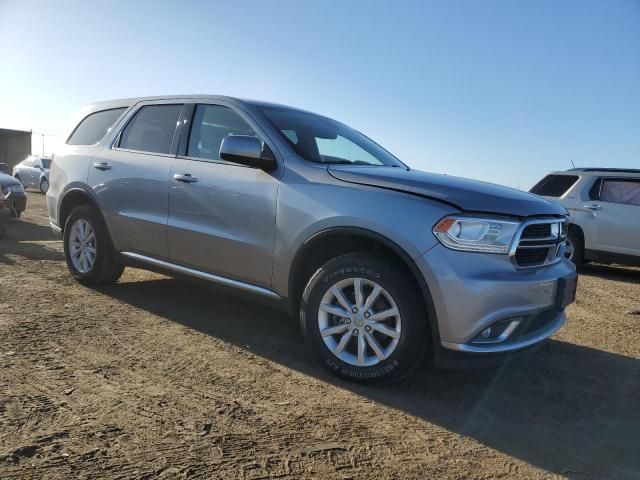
(619, 190)
(211, 123)
(554, 185)
(151, 129)
(94, 127)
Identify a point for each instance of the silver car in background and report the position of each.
(383, 264)
(33, 172)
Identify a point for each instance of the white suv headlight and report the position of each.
(473, 234)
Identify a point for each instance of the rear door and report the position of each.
(222, 218)
(615, 204)
(130, 178)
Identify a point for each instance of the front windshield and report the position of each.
(322, 140)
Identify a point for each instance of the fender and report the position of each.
(394, 247)
(81, 188)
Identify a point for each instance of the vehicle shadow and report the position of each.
(611, 272)
(17, 238)
(568, 409)
(23, 230)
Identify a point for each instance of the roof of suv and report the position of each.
(594, 171)
(605, 170)
(127, 102)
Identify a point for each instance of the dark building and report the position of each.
(15, 146)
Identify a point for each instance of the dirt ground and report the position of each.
(157, 378)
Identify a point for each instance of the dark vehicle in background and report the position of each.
(13, 200)
(33, 172)
(604, 212)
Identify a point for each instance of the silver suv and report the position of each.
(384, 264)
(604, 212)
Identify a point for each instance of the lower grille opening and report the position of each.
(540, 321)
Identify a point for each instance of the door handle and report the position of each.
(593, 207)
(102, 166)
(184, 177)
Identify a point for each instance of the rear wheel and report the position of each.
(364, 319)
(90, 256)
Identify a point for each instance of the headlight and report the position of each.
(476, 234)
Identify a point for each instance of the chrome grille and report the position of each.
(538, 242)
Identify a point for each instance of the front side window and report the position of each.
(151, 129)
(322, 140)
(94, 127)
(619, 190)
(211, 124)
(554, 185)
(46, 163)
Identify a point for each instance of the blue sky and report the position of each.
(502, 91)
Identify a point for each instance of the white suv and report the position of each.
(604, 209)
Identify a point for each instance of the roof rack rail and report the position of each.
(613, 170)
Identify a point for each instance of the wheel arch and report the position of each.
(578, 229)
(72, 198)
(331, 242)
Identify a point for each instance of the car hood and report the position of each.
(6, 180)
(465, 194)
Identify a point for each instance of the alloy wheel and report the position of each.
(569, 250)
(82, 245)
(359, 322)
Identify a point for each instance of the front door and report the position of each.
(221, 215)
(130, 180)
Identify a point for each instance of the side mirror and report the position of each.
(247, 150)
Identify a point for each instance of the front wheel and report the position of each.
(574, 248)
(364, 320)
(44, 185)
(87, 247)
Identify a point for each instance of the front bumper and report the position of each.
(472, 292)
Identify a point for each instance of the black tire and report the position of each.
(107, 266)
(578, 246)
(413, 342)
(44, 185)
(17, 177)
